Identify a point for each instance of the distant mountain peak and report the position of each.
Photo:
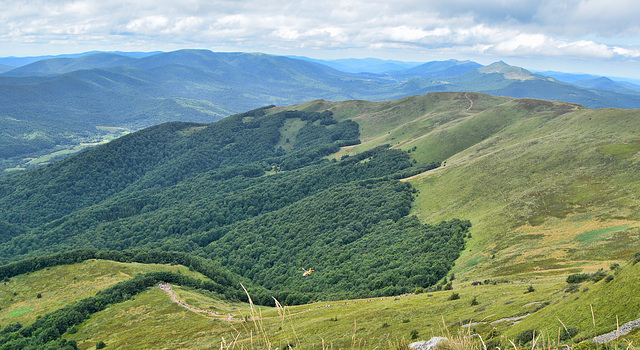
(509, 72)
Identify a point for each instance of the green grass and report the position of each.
(353, 324)
(152, 320)
(48, 157)
(63, 285)
(598, 235)
(518, 169)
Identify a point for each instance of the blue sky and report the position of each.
(592, 36)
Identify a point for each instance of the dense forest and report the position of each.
(248, 196)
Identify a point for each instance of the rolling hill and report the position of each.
(548, 186)
(540, 175)
(375, 196)
(55, 106)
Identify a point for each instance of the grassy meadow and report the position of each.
(62, 285)
(498, 310)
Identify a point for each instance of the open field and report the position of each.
(503, 310)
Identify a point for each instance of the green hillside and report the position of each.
(229, 191)
(489, 308)
(549, 187)
(499, 200)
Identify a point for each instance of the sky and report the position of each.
(591, 36)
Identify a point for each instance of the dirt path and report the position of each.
(229, 317)
(167, 288)
(466, 95)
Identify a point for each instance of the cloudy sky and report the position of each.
(594, 36)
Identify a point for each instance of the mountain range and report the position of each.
(53, 107)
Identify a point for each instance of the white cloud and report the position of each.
(587, 29)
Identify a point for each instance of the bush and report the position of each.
(636, 258)
(525, 336)
(530, 290)
(414, 334)
(572, 288)
(577, 278)
(454, 296)
(474, 302)
(101, 345)
(608, 279)
(570, 332)
(598, 275)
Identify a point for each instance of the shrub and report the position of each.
(530, 290)
(474, 302)
(614, 266)
(608, 279)
(493, 344)
(525, 336)
(101, 345)
(636, 258)
(577, 278)
(39, 295)
(454, 296)
(414, 334)
(598, 275)
(572, 288)
(570, 332)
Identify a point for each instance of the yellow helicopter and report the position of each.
(306, 272)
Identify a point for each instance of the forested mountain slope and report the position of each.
(521, 170)
(253, 192)
(549, 187)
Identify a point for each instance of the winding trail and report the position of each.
(601, 339)
(167, 288)
(466, 95)
(229, 317)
